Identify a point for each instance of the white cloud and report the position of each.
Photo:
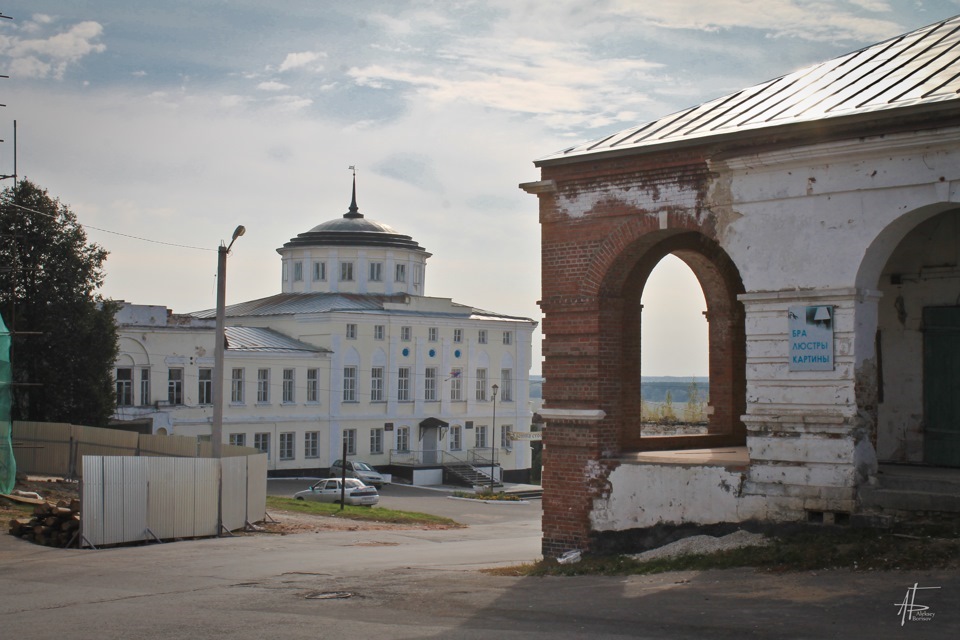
(302, 59)
(289, 104)
(560, 80)
(50, 57)
(814, 21)
(272, 85)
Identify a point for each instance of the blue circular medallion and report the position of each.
(433, 353)
(405, 352)
(456, 354)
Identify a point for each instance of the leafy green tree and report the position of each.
(64, 332)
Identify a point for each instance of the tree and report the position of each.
(667, 413)
(64, 332)
(693, 414)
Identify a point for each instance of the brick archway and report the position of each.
(720, 281)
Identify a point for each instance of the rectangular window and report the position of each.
(351, 331)
(481, 384)
(297, 277)
(458, 335)
(456, 384)
(319, 270)
(175, 386)
(236, 386)
(350, 439)
(403, 438)
(456, 438)
(401, 273)
(378, 332)
(124, 387)
(284, 270)
(505, 441)
(349, 384)
(287, 445)
(506, 385)
(289, 386)
(238, 439)
(205, 386)
(417, 274)
(403, 384)
(376, 440)
(313, 385)
(432, 334)
(482, 336)
(430, 384)
(263, 386)
(376, 384)
(311, 444)
(261, 442)
(376, 271)
(406, 333)
(480, 436)
(508, 337)
(144, 386)
(346, 271)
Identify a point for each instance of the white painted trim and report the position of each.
(582, 415)
(847, 293)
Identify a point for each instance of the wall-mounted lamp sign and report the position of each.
(811, 338)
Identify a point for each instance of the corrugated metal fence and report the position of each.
(129, 499)
(140, 487)
(56, 448)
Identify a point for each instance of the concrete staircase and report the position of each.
(468, 474)
(913, 488)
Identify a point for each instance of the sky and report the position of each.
(164, 125)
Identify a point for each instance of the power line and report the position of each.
(125, 235)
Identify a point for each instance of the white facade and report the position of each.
(344, 354)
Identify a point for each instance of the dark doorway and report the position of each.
(941, 386)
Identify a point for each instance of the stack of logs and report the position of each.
(51, 525)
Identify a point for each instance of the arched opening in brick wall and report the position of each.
(621, 337)
(676, 345)
(909, 383)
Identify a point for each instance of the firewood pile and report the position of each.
(52, 525)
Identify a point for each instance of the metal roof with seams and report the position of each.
(920, 69)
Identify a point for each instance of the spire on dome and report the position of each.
(354, 212)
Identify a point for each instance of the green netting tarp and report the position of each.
(8, 466)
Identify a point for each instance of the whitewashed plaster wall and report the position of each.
(815, 226)
(643, 496)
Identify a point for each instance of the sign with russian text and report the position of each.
(811, 338)
(526, 435)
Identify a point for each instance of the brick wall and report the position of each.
(604, 229)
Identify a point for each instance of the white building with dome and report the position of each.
(350, 351)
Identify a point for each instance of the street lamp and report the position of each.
(216, 430)
(493, 440)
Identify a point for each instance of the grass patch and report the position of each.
(373, 514)
(821, 549)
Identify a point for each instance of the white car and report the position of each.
(359, 470)
(328, 490)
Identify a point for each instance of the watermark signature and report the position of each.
(910, 610)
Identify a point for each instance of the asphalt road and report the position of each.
(426, 584)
